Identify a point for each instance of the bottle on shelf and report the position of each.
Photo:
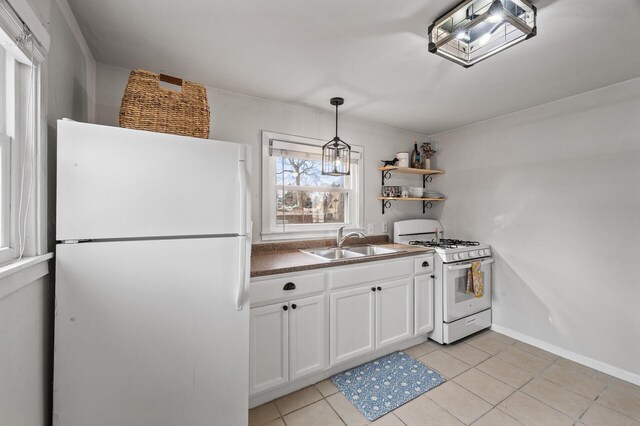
(416, 160)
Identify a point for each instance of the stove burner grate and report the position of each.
(445, 243)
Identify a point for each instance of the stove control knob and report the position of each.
(456, 257)
(473, 254)
(487, 252)
(463, 255)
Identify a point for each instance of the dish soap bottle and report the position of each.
(416, 161)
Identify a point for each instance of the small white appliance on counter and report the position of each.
(152, 268)
(457, 313)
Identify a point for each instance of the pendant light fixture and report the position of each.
(336, 154)
(477, 29)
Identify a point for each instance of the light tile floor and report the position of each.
(492, 380)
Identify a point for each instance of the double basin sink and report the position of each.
(336, 253)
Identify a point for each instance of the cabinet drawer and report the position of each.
(423, 265)
(272, 290)
(370, 272)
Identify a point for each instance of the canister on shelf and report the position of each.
(403, 159)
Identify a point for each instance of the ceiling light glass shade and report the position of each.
(489, 27)
(336, 154)
(336, 158)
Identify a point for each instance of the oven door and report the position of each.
(457, 302)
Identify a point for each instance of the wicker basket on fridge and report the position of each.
(147, 106)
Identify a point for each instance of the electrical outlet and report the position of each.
(384, 226)
(370, 229)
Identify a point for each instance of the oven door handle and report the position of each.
(468, 265)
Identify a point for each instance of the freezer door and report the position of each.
(122, 183)
(148, 333)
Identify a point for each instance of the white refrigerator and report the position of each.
(152, 272)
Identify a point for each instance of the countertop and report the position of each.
(280, 258)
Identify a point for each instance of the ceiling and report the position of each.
(372, 53)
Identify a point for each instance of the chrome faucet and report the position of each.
(340, 238)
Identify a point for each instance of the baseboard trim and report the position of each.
(565, 353)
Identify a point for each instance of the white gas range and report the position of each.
(457, 313)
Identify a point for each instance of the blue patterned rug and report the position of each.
(379, 386)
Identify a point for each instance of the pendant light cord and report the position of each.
(336, 123)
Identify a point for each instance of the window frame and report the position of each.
(18, 83)
(7, 251)
(8, 93)
(270, 229)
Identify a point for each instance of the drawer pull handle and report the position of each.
(294, 306)
(289, 286)
(285, 308)
(471, 321)
(425, 264)
(373, 289)
(379, 288)
(433, 276)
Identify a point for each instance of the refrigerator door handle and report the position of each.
(245, 197)
(243, 280)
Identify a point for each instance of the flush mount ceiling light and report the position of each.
(476, 29)
(336, 154)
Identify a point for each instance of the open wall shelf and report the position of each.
(427, 176)
(426, 202)
(410, 171)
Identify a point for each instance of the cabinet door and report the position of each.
(423, 303)
(351, 323)
(394, 311)
(308, 336)
(269, 347)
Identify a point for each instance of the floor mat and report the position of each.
(382, 385)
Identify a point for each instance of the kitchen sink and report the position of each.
(372, 250)
(335, 253)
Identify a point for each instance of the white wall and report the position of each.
(26, 316)
(240, 118)
(24, 355)
(556, 191)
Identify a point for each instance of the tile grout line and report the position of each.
(297, 409)
(479, 396)
(447, 411)
(547, 405)
(498, 379)
(495, 407)
(472, 365)
(444, 409)
(530, 372)
(397, 417)
(595, 402)
(335, 411)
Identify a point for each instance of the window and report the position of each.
(20, 53)
(298, 201)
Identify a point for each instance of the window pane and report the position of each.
(302, 207)
(298, 172)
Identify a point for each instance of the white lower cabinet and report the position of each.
(423, 303)
(369, 317)
(268, 347)
(352, 323)
(394, 311)
(308, 336)
(288, 341)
